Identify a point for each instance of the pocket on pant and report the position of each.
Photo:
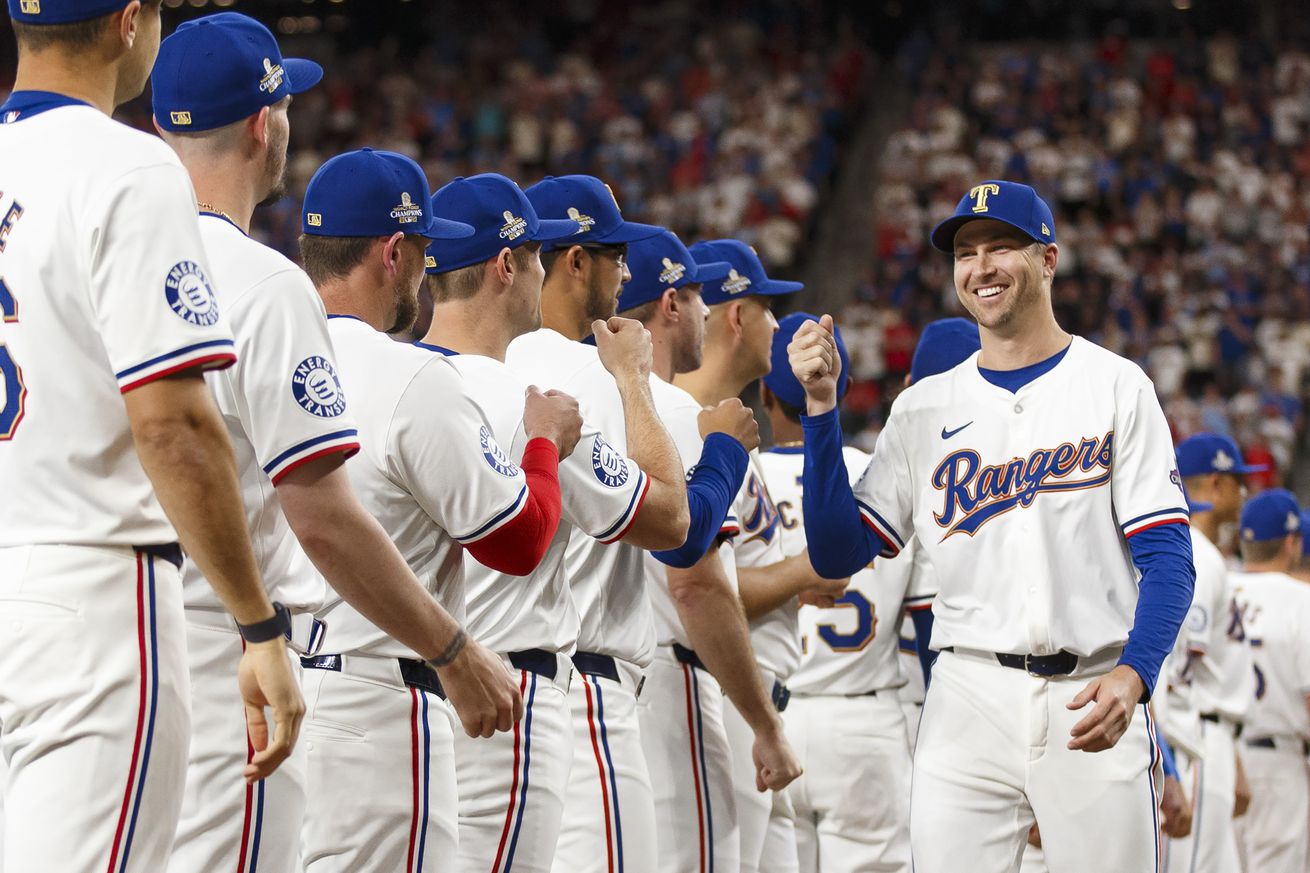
(334, 731)
(28, 607)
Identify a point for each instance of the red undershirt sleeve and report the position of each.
(518, 547)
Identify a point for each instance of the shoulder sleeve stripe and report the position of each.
(625, 522)
(892, 541)
(213, 355)
(335, 441)
(1155, 519)
(347, 445)
(502, 518)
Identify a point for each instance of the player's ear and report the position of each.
(670, 306)
(392, 254)
(576, 259)
(259, 125)
(734, 316)
(127, 23)
(1050, 257)
(503, 265)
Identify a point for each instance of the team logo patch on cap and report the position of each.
(1223, 461)
(317, 389)
(586, 221)
(188, 294)
(273, 76)
(1293, 523)
(672, 272)
(408, 212)
(735, 283)
(495, 455)
(314, 219)
(608, 465)
(182, 119)
(979, 194)
(514, 227)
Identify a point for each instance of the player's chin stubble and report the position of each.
(602, 302)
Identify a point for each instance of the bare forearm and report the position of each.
(186, 452)
(716, 627)
(764, 589)
(664, 517)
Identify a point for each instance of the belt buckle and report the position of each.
(1028, 667)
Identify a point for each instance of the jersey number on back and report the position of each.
(866, 624)
(13, 395)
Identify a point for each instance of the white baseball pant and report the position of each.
(94, 701)
(852, 802)
(512, 785)
(993, 754)
(381, 772)
(1274, 835)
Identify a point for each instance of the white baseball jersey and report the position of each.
(776, 635)
(1023, 500)
(607, 580)
(852, 648)
(104, 287)
(1223, 680)
(601, 492)
(282, 403)
(430, 470)
(1276, 612)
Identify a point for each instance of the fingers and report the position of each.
(1087, 694)
(1092, 719)
(532, 389)
(272, 754)
(825, 322)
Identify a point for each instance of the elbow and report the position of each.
(675, 523)
(828, 566)
(521, 564)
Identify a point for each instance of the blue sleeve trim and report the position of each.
(307, 444)
(176, 353)
(839, 541)
(1163, 554)
(638, 491)
(501, 517)
(710, 492)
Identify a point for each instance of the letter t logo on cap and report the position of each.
(979, 194)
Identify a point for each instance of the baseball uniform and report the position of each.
(682, 708)
(512, 786)
(379, 731)
(283, 405)
(609, 816)
(105, 287)
(1275, 613)
(921, 592)
(995, 482)
(852, 802)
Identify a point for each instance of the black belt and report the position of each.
(538, 661)
(1216, 718)
(1270, 743)
(593, 664)
(170, 552)
(415, 674)
(780, 695)
(1059, 664)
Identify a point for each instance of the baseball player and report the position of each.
(486, 291)
(609, 820)
(1216, 674)
(221, 90)
(703, 650)
(1039, 477)
(1275, 612)
(845, 719)
(381, 765)
(111, 450)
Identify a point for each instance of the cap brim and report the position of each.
(1244, 469)
(555, 229)
(943, 235)
(710, 271)
(301, 74)
(444, 228)
(1199, 507)
(628, 232)
(778, 286)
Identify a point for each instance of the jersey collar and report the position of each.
(441, 350)
(221, 217)
(28, 104)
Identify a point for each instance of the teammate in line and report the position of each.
(381, 770)
(1042, 643)
(111, 450)
(486, 292)
(1275, 614)
(703, 650)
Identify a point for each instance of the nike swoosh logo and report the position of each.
(947, 434)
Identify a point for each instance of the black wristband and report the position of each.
(451, 652)
(270, 628)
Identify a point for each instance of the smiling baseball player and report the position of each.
(382, 793)
(1001, 466)
(111, 450)
(486, 292)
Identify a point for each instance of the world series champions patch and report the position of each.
(189, 294)
(608, 465)
(316, 388)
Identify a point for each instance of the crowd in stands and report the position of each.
(1179, 174)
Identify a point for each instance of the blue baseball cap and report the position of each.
(781, 380)
(1194, 506)
(1305, 525)
(1204, 453)
(220, 69)
(1270, 515)
(61, 11)
(373, 193)
(660, 262)
(1015, 204)
(501, 217)
(943, 345)
(590, 202)
(745, 277)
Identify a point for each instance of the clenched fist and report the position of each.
(734, 419)
(624, 346)
(553, 415)
(813, 356)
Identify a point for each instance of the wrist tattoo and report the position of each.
(451, 651)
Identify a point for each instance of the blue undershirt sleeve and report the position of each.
(922, 619)
(1166, 757)
(710, 491)
(840, 543)
(1164, 556)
